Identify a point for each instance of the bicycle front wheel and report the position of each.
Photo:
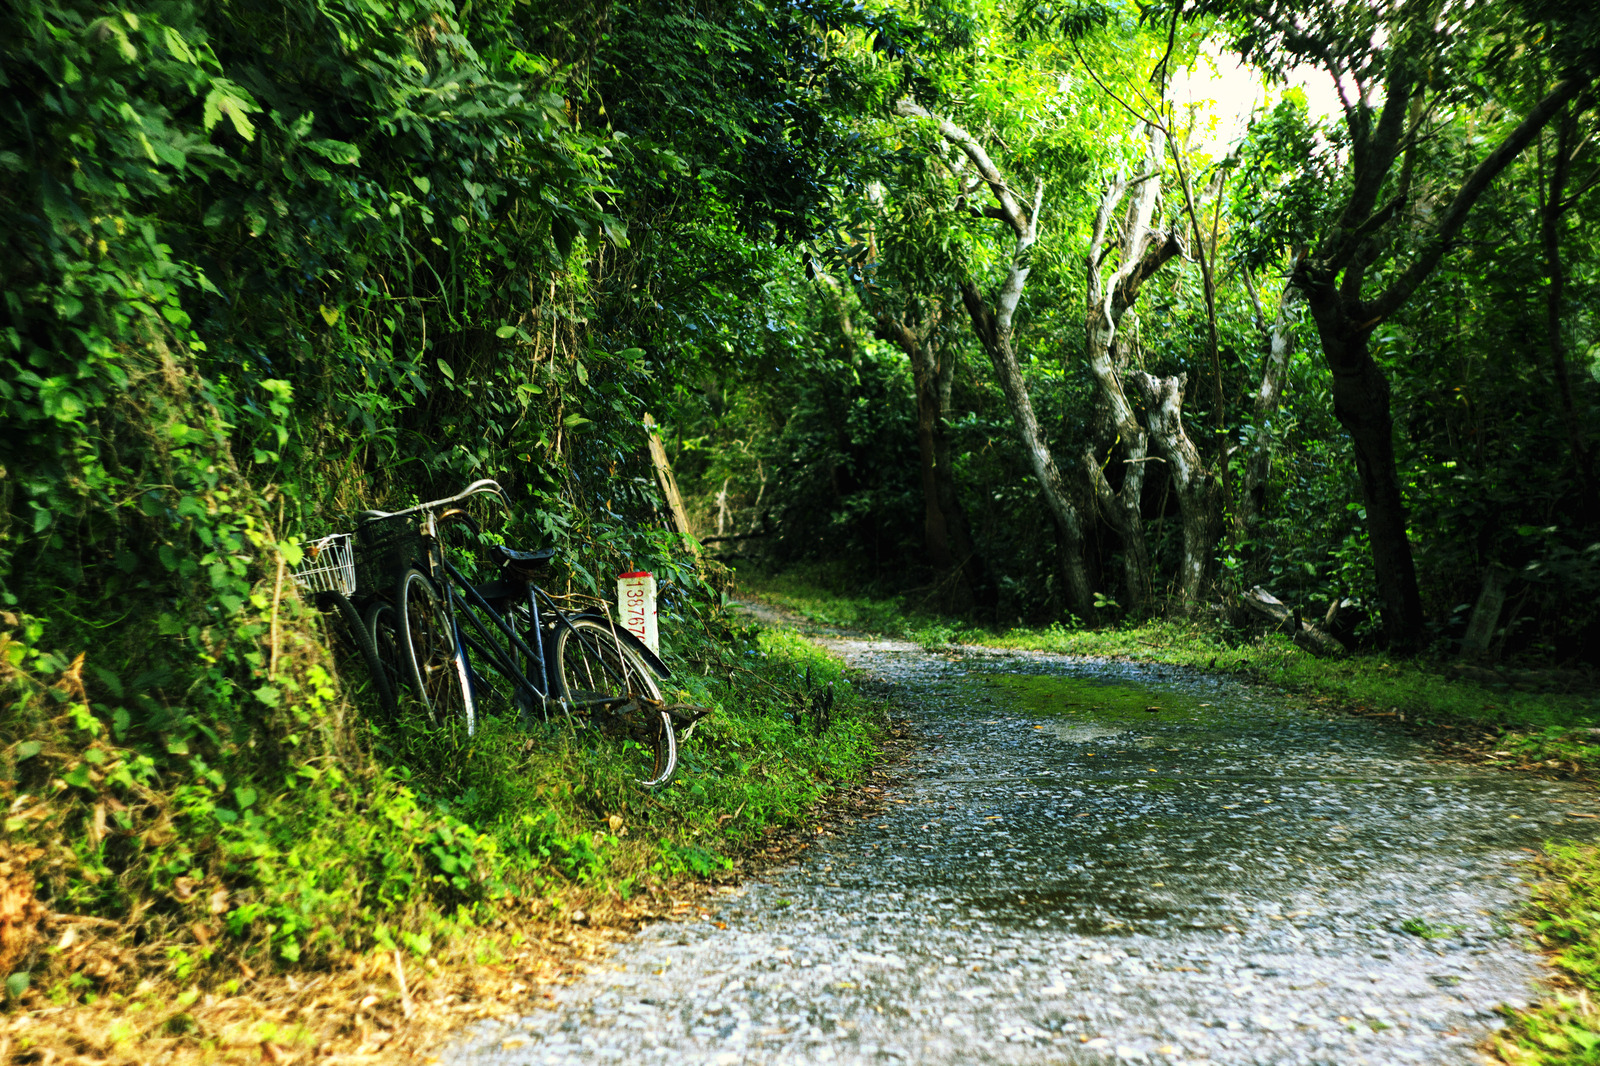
(383, 626)
(356, 660)
(600, 678)
(432, 658)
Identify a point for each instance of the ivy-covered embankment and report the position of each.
(265, 265)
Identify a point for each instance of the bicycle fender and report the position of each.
(651, 659)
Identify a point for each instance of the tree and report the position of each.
(1277, 345)
(1402, 72)
(1141, 253)
(1554, 203)
(916, 330)
(992, 322)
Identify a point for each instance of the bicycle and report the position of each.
(326, 574)
(465, 630)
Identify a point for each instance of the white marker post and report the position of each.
(636, 602)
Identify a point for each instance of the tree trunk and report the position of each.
(992, 324)
(1123, 438)
(1333, 277)
(1069, 527)
(1278, 342)
(841, 310)
(945, 530)
(1199, 493)
(1550, 213)
(1122, 509)
(935, 530)
(959, 530)
(1361, 404)
(934, 525)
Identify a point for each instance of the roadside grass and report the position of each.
(1539, 726)
(1496, 723)
(1564, 914)
(399, 882)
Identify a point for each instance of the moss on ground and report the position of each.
(1544, 725)
(1094, 700)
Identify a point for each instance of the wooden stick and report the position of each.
(277, 596)
(406, 1007)
(669, 485)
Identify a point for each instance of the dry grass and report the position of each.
(377, 1008)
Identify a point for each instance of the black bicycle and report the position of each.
(326, 575)
(468, 631)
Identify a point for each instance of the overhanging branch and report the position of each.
(1455, 216)
(1011, 211)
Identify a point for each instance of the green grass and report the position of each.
(408, 838)
(556, 805)
(1565, 915)
(1418, 689)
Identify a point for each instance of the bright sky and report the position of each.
(1233, 90)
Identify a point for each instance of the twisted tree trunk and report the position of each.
(1123, 438)
(1198, 489)
(1361, 404)
(992, 323)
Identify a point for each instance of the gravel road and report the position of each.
(1099, 862)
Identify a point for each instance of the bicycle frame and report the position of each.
(459, 590)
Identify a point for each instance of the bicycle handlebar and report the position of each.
(482, 485)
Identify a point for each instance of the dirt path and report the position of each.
(1094, 862)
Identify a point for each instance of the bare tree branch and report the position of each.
(1013, 213)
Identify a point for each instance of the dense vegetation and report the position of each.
(971, 299)
(1074, 348)
(266, 265)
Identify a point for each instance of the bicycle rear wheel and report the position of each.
(432, 658)
(601, 678)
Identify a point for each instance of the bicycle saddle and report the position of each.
(521, 562)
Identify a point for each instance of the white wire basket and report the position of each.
(328, 566)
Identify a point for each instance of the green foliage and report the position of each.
(295, 861)
(305, 864)
(266, 265)
(1532, 721)
(1564, 916)
(1288, 175)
